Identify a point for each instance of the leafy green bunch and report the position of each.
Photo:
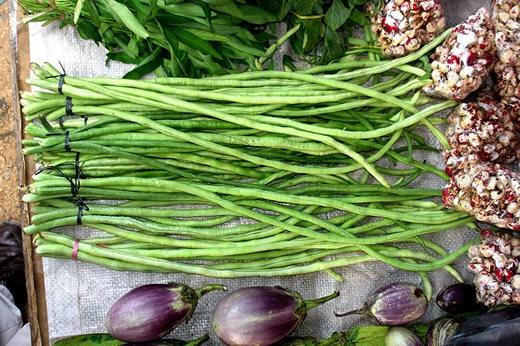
(168, 37)
(184, 38)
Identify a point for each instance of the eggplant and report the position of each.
(500, 328)
(458, 298)
(400, 336)
(149, 312)
(441, 331)
(394, 304)
(261, 315)
(108, 340)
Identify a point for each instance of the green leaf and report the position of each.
(178, 58)
(148, 65)
(230, 41)
(337, 15)
(141, 10)
(367, 336)
(256, 15)
(207, 11)
(133, 47)
(123, 15)
(89, 340)
(225, 6)
(358, 17)
(93, 12)
(419, 329)
(77, 10)
(285, 7)
(154, 9)
(333, 46)
(195, 42)
(122, 57)
(304, 7)
(88, 31)
(311, 34)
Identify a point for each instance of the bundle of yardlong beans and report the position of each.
(264, 173)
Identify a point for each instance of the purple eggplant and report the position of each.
(149, 312)
(261, 315)
(441, 331)
(458, 298)
(394, 304)
(400, 336)
(494, 328)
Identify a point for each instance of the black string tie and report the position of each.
(82, 206)
(68, 106)
(67, 141)
(61, 78)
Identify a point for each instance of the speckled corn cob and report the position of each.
(482, 131)
(508, 81)
(403, 26)
(488, 192)
(506, 17)
(463, 62)
(495, 265)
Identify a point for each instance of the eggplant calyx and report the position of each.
(209, 288)
(312, 303)
(191, 296)
(362, 311)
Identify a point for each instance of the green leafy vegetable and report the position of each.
(203, 37)
(171, 38)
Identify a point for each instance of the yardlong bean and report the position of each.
(263, 173)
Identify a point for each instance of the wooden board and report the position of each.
(14, 69)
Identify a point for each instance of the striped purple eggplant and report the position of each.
(149, 312)
(395, 304)
(261, 315)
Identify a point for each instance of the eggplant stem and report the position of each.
(310, 304)
(352, 312)
(208, 288)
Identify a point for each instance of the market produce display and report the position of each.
(226, 164)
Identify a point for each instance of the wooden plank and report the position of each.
(14, 62)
